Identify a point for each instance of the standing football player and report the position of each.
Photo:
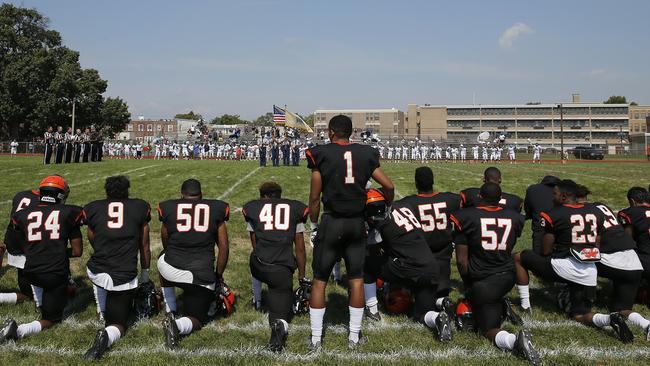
(484, 236)
(407, 260)
(47, 228)
(48, 140)
(539, 197)
(570, 249)
(636, 220)
(275, 225)
(432, 209)
(191, 226)
(470, 196)
(118, 229)
(340, 171)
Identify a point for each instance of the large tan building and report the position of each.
(638, 116)
(385, 122)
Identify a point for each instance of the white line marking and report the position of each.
(237, 183)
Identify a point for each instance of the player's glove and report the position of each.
(314, 233)
(305, 283)
(144, 275)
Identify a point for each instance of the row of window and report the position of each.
(141, 127)
(575, 111)
(537, 123)
(570, 135)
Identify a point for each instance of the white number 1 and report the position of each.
(349, 177)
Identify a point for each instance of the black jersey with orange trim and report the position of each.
(469, 197)
(46, 230)
(614, 238)
(21, 200)
(274, 222)
(345, 169)
(117, 228)
(490, 233)
(433, 210)
(638, 217)
(573, 225)
(192, 227)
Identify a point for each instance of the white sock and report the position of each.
(638, 320)
(113, 334)
(38, 295)
(100, 298)
(8, 298)
(316, 319)
(430, 318)
(370, 294)
(30, 328)
(505, 341)
(336, 272)
(524, 296)
(184, 325)
(601, 320)
(439, 302)
(169, 293)
(356, 316)
(285, 324)
(257, 290)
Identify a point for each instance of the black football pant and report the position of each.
(77, 152)
(196, 299)
(59, 153)
(444, 278)
(47, 157)
(279, 280)
(86, 152)
(538, 234)
(118, 307)
(339, 237)
(55, 294)
(68, 153)
(486, 297)
(625, 285)
(24, 285)
(421, 282)
(645, 262)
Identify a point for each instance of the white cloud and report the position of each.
(510, 35)
(597, 72)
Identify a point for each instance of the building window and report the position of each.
(159, 128)
(140, 127)
(149, 127)
(170, 128)
(130, 128)
(636, 115)
(636, 128)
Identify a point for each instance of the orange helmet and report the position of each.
(53, 189)
(375, 204)
(398, 301)
(464, 316)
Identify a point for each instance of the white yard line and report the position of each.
(237, 183)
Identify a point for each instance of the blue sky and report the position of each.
(215, 57)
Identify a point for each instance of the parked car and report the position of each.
(588, 153)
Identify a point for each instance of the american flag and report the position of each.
(278, 115)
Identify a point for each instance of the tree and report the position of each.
(616, 99)
(309, 119)
(114, 116)
(264, 120)
(191, 115)
(228, 119)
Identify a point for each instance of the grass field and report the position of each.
(240, 338)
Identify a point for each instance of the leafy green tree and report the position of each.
(191, 115)
(616, 99)
(114, 115)
(264, 120)
(228, 119)
(309, 119)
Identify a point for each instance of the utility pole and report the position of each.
(73, 111)
(620, 135)
(561, 133)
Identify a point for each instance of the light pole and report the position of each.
(73, 112)
(561, 132)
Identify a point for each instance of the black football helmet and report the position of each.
(146, 302)
(376, 208)
(301, 297)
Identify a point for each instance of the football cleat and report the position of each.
(448, 307)
(278, 337)
(9, 330)
(352, 345)
(443, 327)
(617, 322)
(524, 348)
(372, 316)
(315, 346)
(99, 347)
(510, 313)
(172, 335)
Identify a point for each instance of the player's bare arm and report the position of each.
(314, 195)
(76, 246)
(253, 240)
(386, 184)
(301, 256)
(164, 235)
(462, 260)
(145, 248)
(547, 244)
(222, 245)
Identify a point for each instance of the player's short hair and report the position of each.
(424, 179)
(638, 194)
(583, 191)
(492, 174)
(550, 180)
(117, 187)
(191, 187)
(568, 188)
(270, 190)
(341, 126)
(491, 193)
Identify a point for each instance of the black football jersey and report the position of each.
(345, 169)
(490, 234)
(639, 218)
(46, 230)
(539, 197)
(433, 210)
(117, 227)
(470, 198)
(574, 225)
(13, 239)
(613, 238)
(274, 222)
(403, 238)
(192, 227)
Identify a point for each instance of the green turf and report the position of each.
(239, 339)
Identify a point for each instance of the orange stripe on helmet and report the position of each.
(374, 195)
(55, 181)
